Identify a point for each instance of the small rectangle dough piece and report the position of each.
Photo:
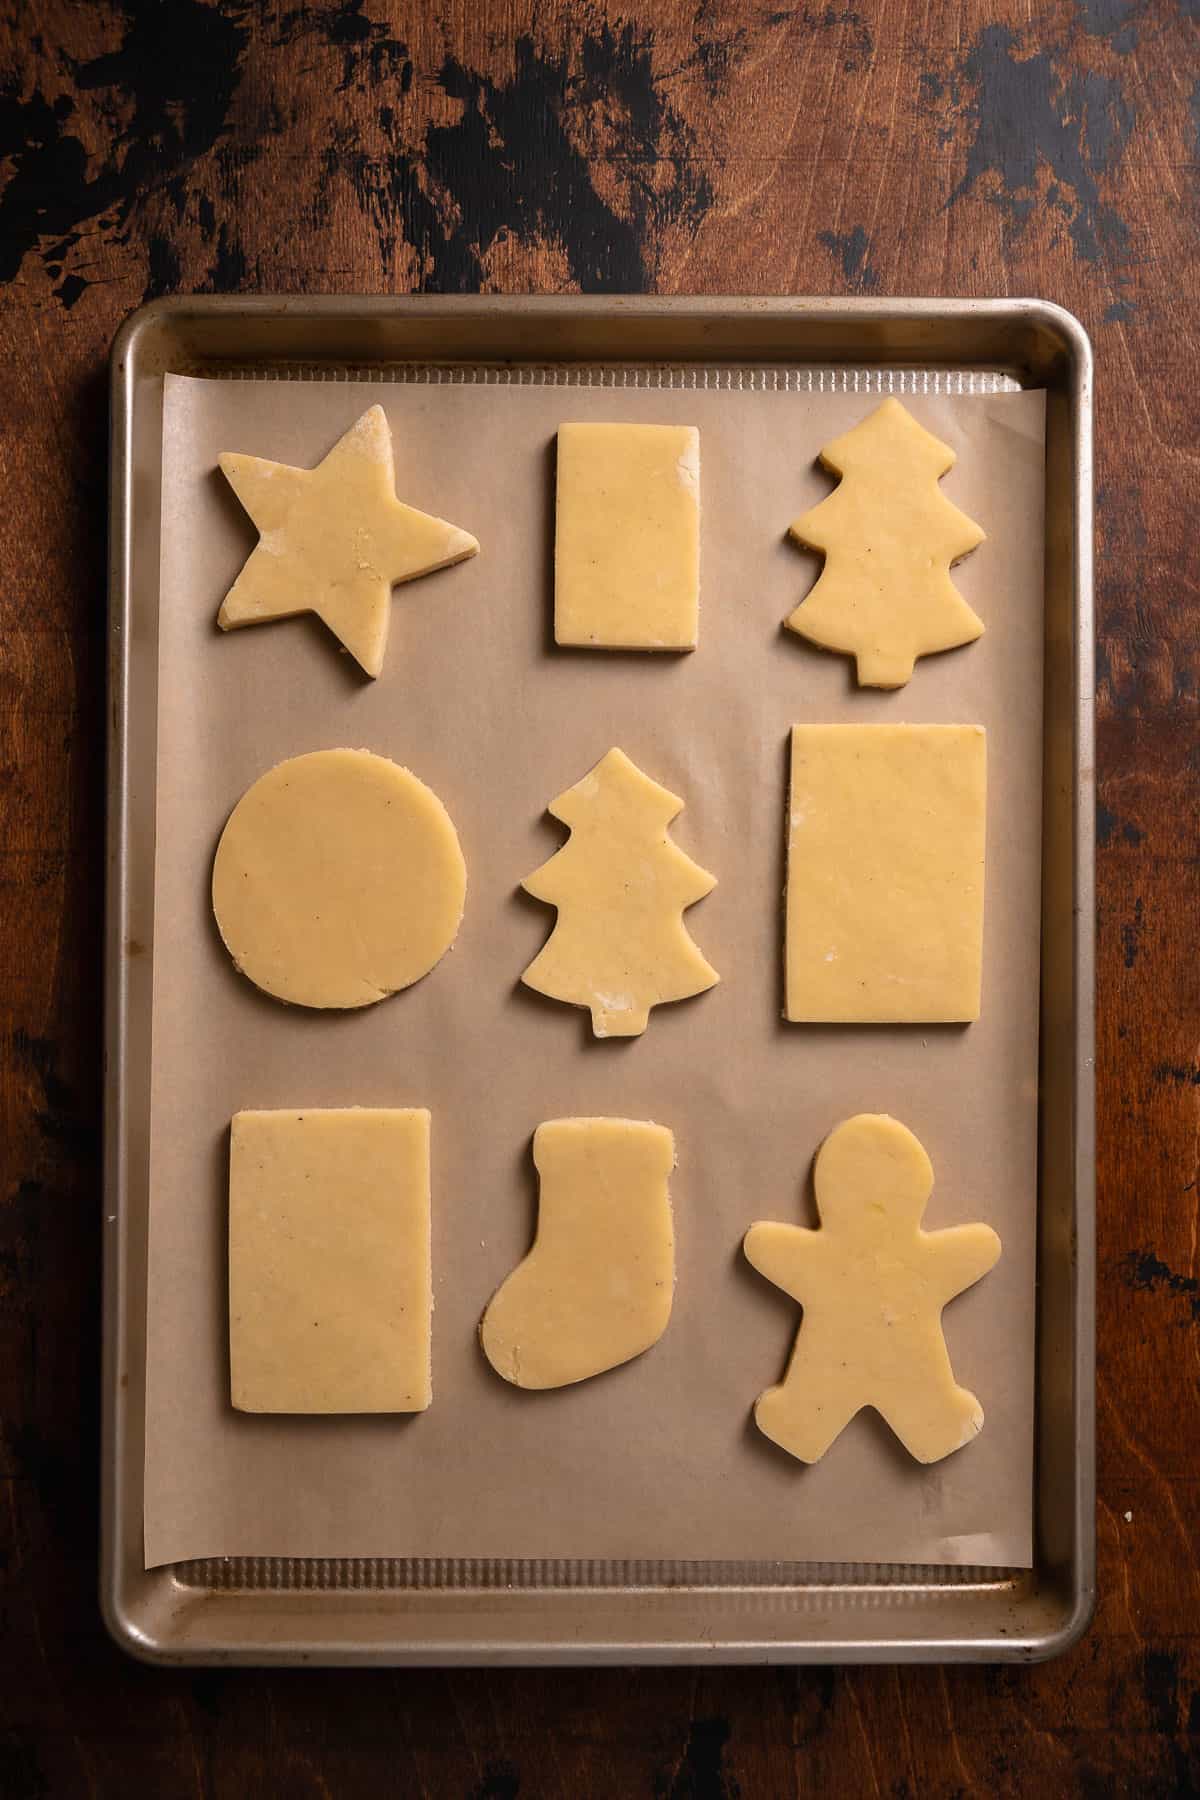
(627, 537)
(886, 839)
(330, 1289)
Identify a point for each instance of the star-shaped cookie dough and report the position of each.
(334, 540)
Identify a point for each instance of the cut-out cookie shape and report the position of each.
(872, 1285)
(627, 537)
(886, 841)
(334, 540)
(597, 1286)
(889, 536)
(329, 1263)
(620, 885)
(338, 880)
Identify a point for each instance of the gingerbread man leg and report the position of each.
(803, 1415)
(932, 1423)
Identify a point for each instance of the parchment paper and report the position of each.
(660, 1458)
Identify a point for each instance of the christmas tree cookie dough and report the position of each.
(329, 1261)
(886, 837)
(872, 1285)
(338, 880)
(334, 540)
(620, 885)
(889, 536)
(596, 1289)
(627, 537)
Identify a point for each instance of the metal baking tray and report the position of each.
(263, 1610)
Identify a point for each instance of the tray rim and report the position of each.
(1061, 358)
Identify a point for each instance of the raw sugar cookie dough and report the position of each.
(889, 536)
(872, 1285)
(886, 840)
(597, 1286)
(338, 880)
(620, 884)
(334, 540)
(329, 1261)
(627, 537)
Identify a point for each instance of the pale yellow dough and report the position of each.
(627, 539)
(886, 842)
(872, 1285)
(334, 540)
(889, 536)
(330, 1293)
(338, 880)
(620, 885)
(597, 1286)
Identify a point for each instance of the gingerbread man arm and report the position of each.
(785, 1254)
(960, 1256)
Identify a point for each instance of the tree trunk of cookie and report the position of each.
(878, 669)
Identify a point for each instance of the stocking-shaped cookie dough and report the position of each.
(596, 1288)
(872, 1285)
(889, 536)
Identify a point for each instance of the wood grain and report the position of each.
(910, 147)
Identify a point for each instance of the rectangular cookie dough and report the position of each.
(627, 537)
(330, 1293)
(886, 836)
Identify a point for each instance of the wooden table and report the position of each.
(969, 149)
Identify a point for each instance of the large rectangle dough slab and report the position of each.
(886, 839)
(329, 1278)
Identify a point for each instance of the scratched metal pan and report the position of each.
(259, 1610)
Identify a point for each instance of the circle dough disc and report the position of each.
(338, 880)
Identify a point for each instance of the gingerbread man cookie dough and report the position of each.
(872, 1285)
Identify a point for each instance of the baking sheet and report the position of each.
(658, 1459)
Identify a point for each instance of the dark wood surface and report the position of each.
(905, 147)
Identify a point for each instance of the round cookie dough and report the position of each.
(338, 880)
